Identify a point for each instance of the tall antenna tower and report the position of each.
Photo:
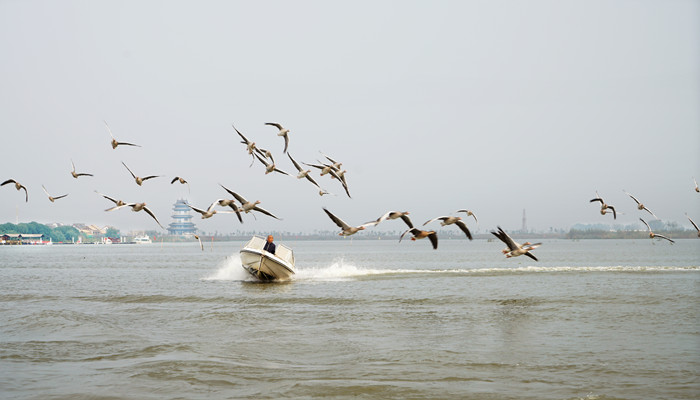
(524, 228)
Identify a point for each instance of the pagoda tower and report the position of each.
(181, 224)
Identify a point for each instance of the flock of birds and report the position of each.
(610, 209)
(239, 204)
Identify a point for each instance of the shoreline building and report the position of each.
(182, 224)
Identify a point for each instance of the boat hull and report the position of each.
(265, 266)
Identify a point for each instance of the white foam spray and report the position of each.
(230, 269)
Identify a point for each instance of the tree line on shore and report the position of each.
(69, 233)
(58, 234)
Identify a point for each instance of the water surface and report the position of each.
(594, 319)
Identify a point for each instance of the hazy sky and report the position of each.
(433, 106)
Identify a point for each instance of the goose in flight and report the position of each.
(232, 204)
(341, 176)
(209, 212)
(114, 142)
(346, 230)
(269, 166)
(250, 146)
(182, 182)
(604, 208)
(18, 186)
(138, 179)
(136, 207)
(328, 169)
(420, 234)
(694, 225)
(303, 173)
(653, 235)
(469, 213)
(248, 206)
(514, 248)
(393, 215)
(51, 197)
(697, 188)
(325, 169)
(200, 242)
(75, 174)
(284, 132)
(640, 206)
(336, 165)
(116, 202)
(453, 220)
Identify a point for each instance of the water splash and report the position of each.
(230, 269)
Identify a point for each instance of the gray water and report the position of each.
(594, 319)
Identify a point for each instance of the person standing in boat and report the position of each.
(270, 246)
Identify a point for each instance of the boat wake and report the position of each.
(231, 269)
(338, 271)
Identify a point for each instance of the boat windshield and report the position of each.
(282, 251)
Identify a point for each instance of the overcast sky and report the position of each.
(433, 106)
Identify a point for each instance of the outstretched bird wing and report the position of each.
(341, 224)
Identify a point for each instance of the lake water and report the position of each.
(593, 319)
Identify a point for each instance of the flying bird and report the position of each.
(269, 166)
(604, 208)
(18, 186)
(640, 206)
(303, 173)
(284, 132)
(420, 234)
(51, 197)
(248, 206)
(250, 146)
(515, 249)
(453, 220)
(694, 225)
(114, 141)
(231, 203)
(328, 169)
(346, 230)
(75, 174)
(200, 242)
(336, 165)
(697, 189)
(325, 169)
(469, 213)
(136, 207)
(209, 212)
(138, 179)
(116, 202)
(653, 235)
(340, 175)
(393, 215)
(182, 182)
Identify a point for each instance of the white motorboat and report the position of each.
(266, 266)
(144, 239)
